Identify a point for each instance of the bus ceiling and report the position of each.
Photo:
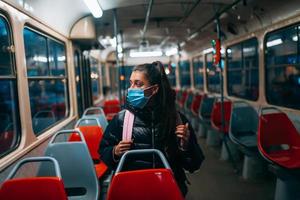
(173, 23)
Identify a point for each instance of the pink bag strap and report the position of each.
(127, 126)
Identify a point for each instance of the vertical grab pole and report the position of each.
(222, 99)
(116, 52)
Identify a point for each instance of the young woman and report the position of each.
(156, 124)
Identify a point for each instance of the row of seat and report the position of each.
(78, 168)
(270, 135)
(76, 153)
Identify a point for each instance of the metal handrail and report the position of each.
(143, 151)
(87, 118)
(35, 159)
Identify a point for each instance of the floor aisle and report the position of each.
(216, 180)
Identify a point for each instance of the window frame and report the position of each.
(207, 76)
(296, 24)
(49, 77)
(241, 69)
(200, 59)
(12, 77)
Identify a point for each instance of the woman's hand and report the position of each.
(122, 147)
(182, 132)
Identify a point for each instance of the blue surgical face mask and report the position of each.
(136, 97)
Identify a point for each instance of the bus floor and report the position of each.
(216, 179)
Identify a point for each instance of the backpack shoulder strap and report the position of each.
(178, 119)
(127, 126)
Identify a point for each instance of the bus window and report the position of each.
(283, 67)
(212, 74)
(198, 72)
(47, 80)
(78, 80)
(242, 69)
(95, 79)
(9, 117)
(185, 78)
(170, 72)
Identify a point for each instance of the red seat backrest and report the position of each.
(183, 98)
(216, 117)
(196, 103)
(93, 136)
(275, 129)
(150, 184)
(37, 188)
(111, 106)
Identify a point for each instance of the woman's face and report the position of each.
(139, 80)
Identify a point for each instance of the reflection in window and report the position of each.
(48, 92)
(283, 67)
(212, 74)
(9, 116)
(242, 70)
(198, 73)
(95, 79)
(184, 71)
(57, 58)
(170, 70)
(36, 53)
(78, 82)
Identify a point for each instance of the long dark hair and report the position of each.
(165, 97)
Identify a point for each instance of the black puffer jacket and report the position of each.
(142, 139)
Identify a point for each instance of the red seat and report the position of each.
(37, 188)
(278, 140)
(150, 184)
(93, 136)
(196, 104)
(183, 98)
(216, 117)
(110, 108)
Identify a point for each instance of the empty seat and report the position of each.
(243, 133)
(183, 98)
(98, 113)
(243, 127)
(34, 188)
(206, 107)
(278, 140)
(148, 184)
(195, 111)
(216, 116)
(93, 135)
(196, 104)
(111, 107)
(188, 103)
(77, 168)
(279, 143)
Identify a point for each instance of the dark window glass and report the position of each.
(212, 74)
(57, 58)
(5, 54)
(184, 69)
(78, 82)
(36, 53)
(242, 69)
(9, 116)
(47, 88)
(283, 67)
(198, 73)
(95, 79)
(170, 71)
